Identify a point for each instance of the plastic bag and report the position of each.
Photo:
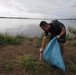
(52, 54)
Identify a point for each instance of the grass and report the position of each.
(69, 37)
(73, 67)
(8, 39)
(21, 36)
(72, 30)
(74, 44)
(32, 66)
(72, 33)
(27, 61)
(36, 41)
(73, 58)
(9, 65)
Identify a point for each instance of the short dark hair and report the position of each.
(43, 23)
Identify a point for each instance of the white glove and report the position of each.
(58, 36)
(41, 50)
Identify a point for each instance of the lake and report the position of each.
(29, 27)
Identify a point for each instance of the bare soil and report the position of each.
(11, 52)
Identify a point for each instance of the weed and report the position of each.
(73, 58)
(7, 39)
(27, 62)
(20, 36)
(69, 37)
(9, 65)
(72, 30)
(74, 44)
(73, 67)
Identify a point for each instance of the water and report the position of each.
(28, 27)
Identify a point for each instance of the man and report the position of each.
(57, 29)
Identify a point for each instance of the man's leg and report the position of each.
(61, 48)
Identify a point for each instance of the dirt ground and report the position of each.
(11, 52)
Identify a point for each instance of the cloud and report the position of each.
(15, 8)
(39, 8)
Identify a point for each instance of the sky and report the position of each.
(38, 8)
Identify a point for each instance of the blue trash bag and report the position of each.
(52, 54)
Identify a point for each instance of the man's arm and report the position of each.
(43, 43)
(62, 31)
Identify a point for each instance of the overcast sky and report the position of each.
(38, 8)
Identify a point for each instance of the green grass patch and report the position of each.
(69, 37)
(71, 43)
(9, 65)
(73, 67)
(20, 36)
(27, 61)
(32, 66)
(7, 39)
(73, 58)
(72, 30)
(74, 44)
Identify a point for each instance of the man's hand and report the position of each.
(41, 50)
(58, 36)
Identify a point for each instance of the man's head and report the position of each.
(44, 25)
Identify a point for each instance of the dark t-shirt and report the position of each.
(55, 28)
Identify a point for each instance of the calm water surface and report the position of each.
(28, 27)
